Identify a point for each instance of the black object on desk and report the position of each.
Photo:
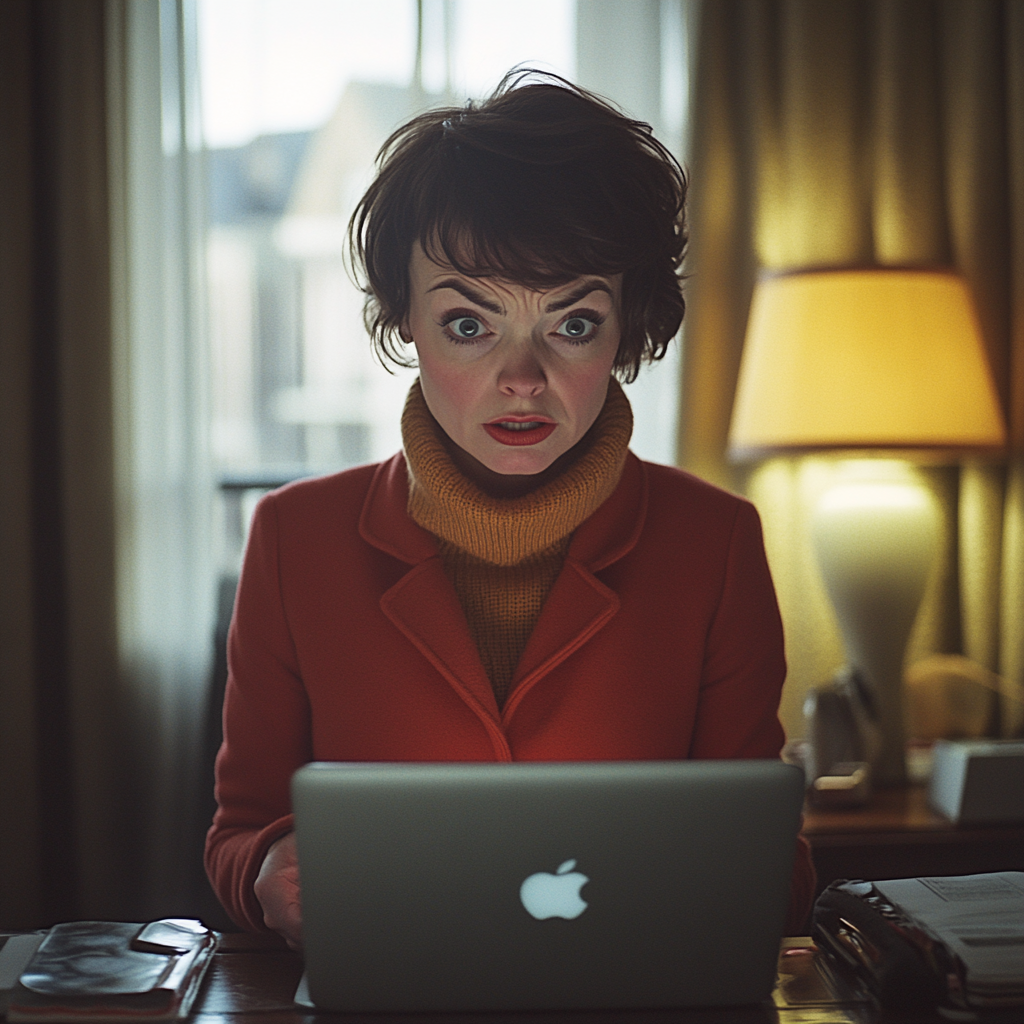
(110, 970)
(953, 943)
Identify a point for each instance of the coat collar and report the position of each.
(385, 523)
(424, 607)
(609, 534)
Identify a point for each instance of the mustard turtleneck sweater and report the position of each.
(504, 554)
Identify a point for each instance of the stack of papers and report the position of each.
(979, 919)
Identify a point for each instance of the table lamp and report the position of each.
(880, 361)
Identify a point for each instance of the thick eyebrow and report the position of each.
(578, 293)
(467, 292)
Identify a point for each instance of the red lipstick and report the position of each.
(518, 431)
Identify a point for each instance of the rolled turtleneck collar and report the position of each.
(507, 531)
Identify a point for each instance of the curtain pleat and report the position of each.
(1011, 604)
(106, 582)
(19, 780)
(880, 132)
(721, 257)
(63, 853)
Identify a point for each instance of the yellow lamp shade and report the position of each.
(862, 359)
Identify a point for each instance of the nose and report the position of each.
(521, 374)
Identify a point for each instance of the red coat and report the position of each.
(660, 639)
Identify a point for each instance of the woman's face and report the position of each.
(515, 377)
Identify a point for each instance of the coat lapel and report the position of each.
(577, 607)
(579, 604)
(423, 604)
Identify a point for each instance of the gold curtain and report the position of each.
(851, 132)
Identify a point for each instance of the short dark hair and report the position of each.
(539, 184)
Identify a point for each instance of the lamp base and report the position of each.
(876, 543)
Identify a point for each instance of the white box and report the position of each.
(978, 781)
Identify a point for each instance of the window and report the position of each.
(298, 96)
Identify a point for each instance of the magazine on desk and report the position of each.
(955, 942)
(105, 971)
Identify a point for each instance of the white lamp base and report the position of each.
(876, 543)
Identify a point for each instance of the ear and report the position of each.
(404, 333)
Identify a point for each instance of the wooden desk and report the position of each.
(253, 979)
(898, 836)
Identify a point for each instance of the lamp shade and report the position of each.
(861, 359)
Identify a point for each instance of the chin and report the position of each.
(519, 462)
(519, 467)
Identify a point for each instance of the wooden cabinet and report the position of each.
(898, 836)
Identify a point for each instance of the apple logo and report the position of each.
(545, 895)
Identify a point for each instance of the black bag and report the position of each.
(901, 966)
(907, 964)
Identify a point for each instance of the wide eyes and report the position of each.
(580, 327)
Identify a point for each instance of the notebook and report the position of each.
(446, 887)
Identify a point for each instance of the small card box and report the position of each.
(978, 781)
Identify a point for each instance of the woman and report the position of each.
(514, 585)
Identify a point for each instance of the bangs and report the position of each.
(536, 225)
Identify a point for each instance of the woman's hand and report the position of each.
(277, 889)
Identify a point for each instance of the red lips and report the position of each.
(529, 432)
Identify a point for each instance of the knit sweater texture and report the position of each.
(503, 555)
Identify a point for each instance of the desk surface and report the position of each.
(253, 979)
(897, 835)
(902, 812)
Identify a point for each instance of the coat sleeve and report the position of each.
(266, 729)
(741, 686)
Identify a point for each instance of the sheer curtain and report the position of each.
(164, 485)
(865, 131)
(105, 588)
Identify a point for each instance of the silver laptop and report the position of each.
(444, 887)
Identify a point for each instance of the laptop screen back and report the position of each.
(544, 886)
